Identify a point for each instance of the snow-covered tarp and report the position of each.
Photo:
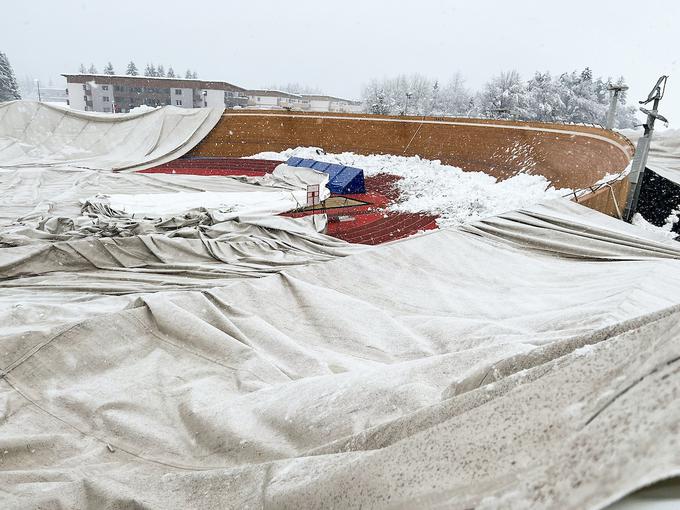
(33, 133)
(527, 361)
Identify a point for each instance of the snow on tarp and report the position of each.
(39, 134)
(32, 196)
(283, 190)
(342, 179)
(488, 367)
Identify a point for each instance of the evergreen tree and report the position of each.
(194, 75)
(109, 69)
(160, 70)
(131, 69)
(92, 69)
(187, 75)
(9, 90)
(504, 96)
(455, 99)
(543, 98)
(171, 72)
(150, 70)
(82, 69)
(379, 106)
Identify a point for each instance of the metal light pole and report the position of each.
(613, 102)
(637, 170)
(408, 100)
(37, 82)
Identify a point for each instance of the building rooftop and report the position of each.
(323, 97)
(121, 79)
(273, 93)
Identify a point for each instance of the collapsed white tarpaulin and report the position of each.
(492, 367)
(33, 195)
(664, 152)
(40, 134)
(283, 190)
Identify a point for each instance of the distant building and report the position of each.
(321, 103)
(52, 95)
(277, 99)
(120, 93)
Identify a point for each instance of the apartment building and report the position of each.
(120, 93)
(277, 99)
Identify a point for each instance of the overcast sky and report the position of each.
(339, 45)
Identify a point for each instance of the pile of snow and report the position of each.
(665, 230)
(142, 108)
(431, 187)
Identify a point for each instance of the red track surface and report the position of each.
(369, 223)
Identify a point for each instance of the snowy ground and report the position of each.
(429, 186)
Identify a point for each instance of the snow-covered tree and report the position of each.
(9, 90)
(294, 88)
(170, 73)
(374, 99)
(92, 69)
(150, 70)
(194, 75)
(543, 101)
(188, 75)
(81, 69)
(160, 70)
(580, 99)
(455, 97)
(504, 96)
(131, 69)
(573, 97)
(108, 69)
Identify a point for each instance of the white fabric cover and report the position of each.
(528, 361)
(664, 152)
(33, 133)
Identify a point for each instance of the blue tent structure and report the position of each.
(343, 180)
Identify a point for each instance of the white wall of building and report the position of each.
(102, 97)
(263, 101)
(213, 98)
(319, 105)
(185, 97)
(76, 96)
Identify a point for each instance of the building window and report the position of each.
(178, 102)
(105, 99)
(205, 104)
(178, 92)
(105, 87)
(107, 110)
(84, 86)
(85, 98)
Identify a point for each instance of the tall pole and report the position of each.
(637, 170)
(613, 102)
(37, 82)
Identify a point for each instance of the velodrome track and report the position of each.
(570, 156)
